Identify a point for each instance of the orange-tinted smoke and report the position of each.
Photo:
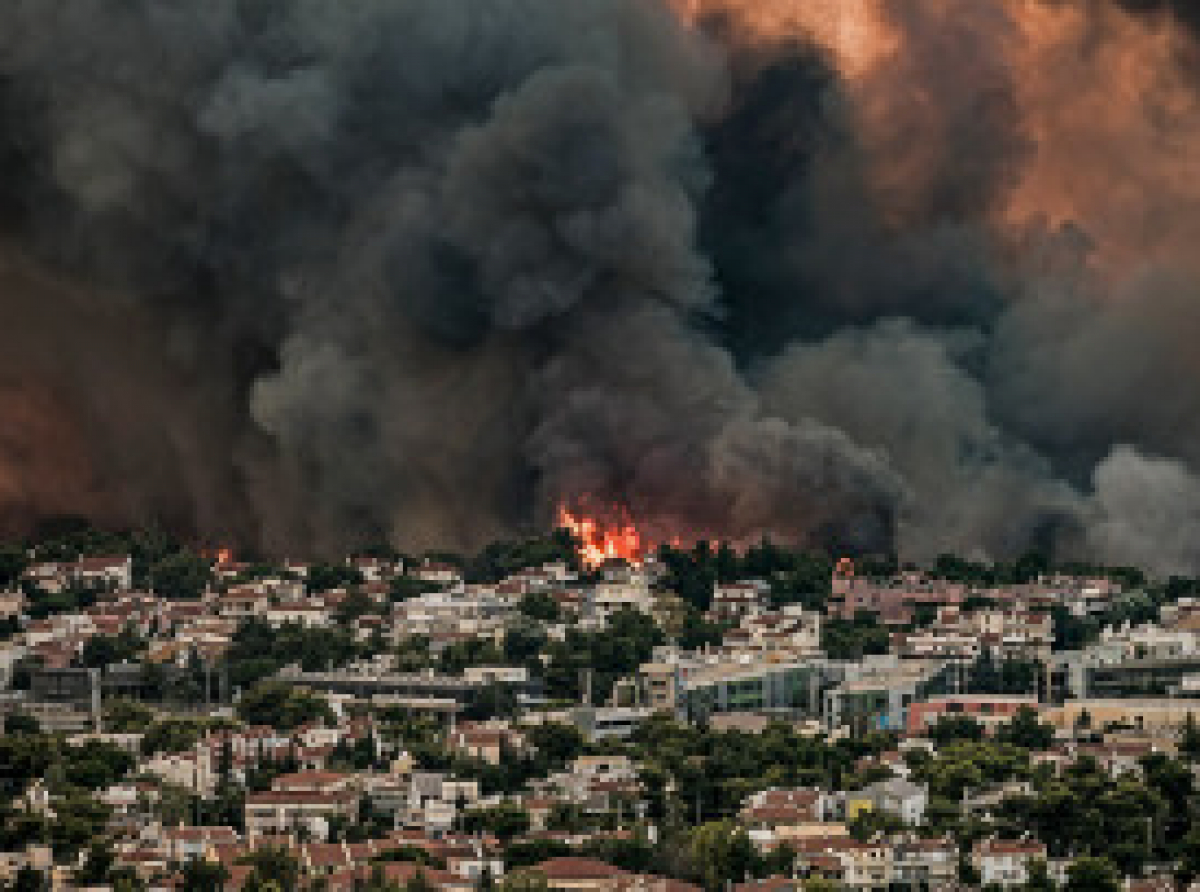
(1107, 102)
(45, 468)
(1114, 114)
(851, 30)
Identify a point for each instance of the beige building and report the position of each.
(1150, 715)
(278, 811)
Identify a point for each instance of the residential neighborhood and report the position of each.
(700, 719)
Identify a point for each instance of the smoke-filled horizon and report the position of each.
(861, 275)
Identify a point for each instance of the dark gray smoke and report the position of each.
(305, 275)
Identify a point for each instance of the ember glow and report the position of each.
(613, 536)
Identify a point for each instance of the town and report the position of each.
(545, 717)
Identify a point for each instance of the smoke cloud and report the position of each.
(861, 275)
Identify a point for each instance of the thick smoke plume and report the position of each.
(863, 275)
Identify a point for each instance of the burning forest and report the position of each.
(863, 276)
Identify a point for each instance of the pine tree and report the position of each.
(1189, 740)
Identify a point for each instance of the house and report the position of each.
(1005, 862)
(904, 799)
(855, 864)
(277, 811)
(777, 816)
(925, 863)
(439, 573)
(490, 744)
(184, 843)
(192, 770)
(734, 600)
(580, 874)
(304, 613)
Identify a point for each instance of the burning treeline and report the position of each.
(860, 274)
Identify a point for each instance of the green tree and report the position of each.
(505, 821)
(1026, 731)
(1189, 856)
(1092, 875)
(540, 606)
(271, 868)
(721, 852)
(95, 870)
(1189, 740)
(403, 588)
(171, 736)
(104, 650)
(524, 881)
(869, 822)
(181, 576)
(13, 561)
(854, 639)
(1038, 877)
(556, 744)
(949, 728)
(30, 880)
(281, 706)
(354, 605)
(126, 716)
(21, 723)
(324, 577)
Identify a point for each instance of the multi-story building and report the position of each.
(277, 811)
(878, 691)
(988, 710)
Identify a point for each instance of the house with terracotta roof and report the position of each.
(580, 874)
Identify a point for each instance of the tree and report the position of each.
(1092, 875)
(854, 639)
(324, 577)
(271, 867)
(1026, 731)
(95, 870)
(126, 716)
(949, 728)
(104, 650)
(1189, 861)
(21, 723)
(181, 576)
(720, 852)
(13, 561)
(1189, 740)
(540, 606)
(281, 706)
(1037, 877)
(402, 588)
(505, 820)
(30, 880)
(171, 736)
(556, 744)
(524, 881)
(869, 822)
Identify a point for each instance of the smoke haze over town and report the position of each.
(905, 274)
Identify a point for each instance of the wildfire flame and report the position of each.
(603, 539)
(220, 556)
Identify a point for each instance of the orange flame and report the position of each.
(220, 556)
(602, 539)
